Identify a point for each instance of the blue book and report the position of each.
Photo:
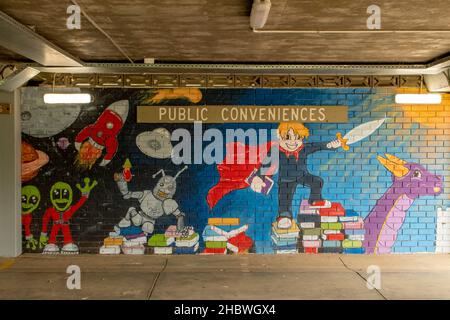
(284, 242)
(331, 244)
(355, 231)
(289, 247)
(185, 250)
(132, 230)
(354, 250)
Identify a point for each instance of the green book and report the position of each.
(215, 244)
(157, 240)
(331, 225)
(312, 232)
(351, 244)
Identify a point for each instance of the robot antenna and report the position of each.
(179, 172)
(159, 172)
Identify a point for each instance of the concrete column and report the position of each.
(10, 183)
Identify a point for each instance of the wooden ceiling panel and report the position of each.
(218, 31)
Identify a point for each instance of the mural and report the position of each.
(327, 193)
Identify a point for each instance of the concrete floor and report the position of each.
(34, 276)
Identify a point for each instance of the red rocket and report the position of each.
(103, 133)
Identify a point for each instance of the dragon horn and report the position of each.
(397, 170)
(395, 159)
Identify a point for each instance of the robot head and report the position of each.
(30, 199)
(166, 186)
(61, 196)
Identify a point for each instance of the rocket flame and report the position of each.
(87, 156)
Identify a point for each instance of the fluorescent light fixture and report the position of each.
(430, 98)
(259, 14)
(67, 98)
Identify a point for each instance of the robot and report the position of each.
(153, 203)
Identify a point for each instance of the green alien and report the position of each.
(61, 196)
(31, 197)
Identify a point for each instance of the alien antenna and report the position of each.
(159, 172)
(179, 172)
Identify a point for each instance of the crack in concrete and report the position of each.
(152, 288)
(365, 281)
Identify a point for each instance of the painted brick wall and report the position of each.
(355, 179)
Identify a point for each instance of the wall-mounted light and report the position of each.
(67, 98)
(430, 98)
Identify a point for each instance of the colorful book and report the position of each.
(215, 244)
(267, 181)
(159, 240)
(215, 238)
(186, 250)
(311, 244)
(305, 208)
(111, 249)
(351, 244)
(354, 250)
(357, 237)
(308, 218)
(312, 232)
(135, 249)
(189, 241)
(331, 244)
(116, 241)
(131, 230)
(354, 231)
(134, 236)
(284, 242)
(310, 250)
(292, 251)
(359, 224)
(224, 221)
(331, 231)
(163, 250)
(331, 226)
(334, 237)
(310, 237)
(336, 209)
(329, 219)
(331, 250)
(227, 232)
(240, 243)
(309, 225)
(214, 251)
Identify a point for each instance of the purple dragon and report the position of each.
(410, 181)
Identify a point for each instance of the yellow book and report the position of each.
(224, 221)
(293, 228)
(113, 242)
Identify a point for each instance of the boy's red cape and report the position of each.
(233, 174)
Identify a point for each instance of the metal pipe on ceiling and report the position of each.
(440, 31)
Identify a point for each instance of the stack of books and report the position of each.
(285, 240)
(226, 234)
(353, 226)
(187, 242)
(332, 228)
(111, 245)
(134, 243)
(161, 244)
(309, 222)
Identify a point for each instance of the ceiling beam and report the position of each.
(18, 38)
(321, 69)
(18, 79)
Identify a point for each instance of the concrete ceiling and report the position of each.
(218, 31)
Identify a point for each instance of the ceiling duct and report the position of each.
(437, 82)
(259, 14)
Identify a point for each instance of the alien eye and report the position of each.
(65, 194)
(24, 199)
(56, 193)
(33, 200)
(417, 174)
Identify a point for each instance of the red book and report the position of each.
(215, 251)
(240, 243)
(336, 209)
(336, 237)
(311, 250)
